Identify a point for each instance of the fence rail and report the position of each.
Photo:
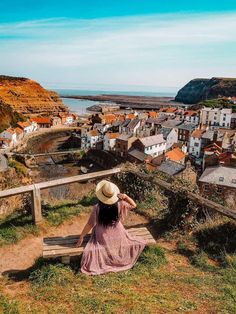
(35, 189)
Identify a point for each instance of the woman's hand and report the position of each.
(79, 243)
(122, 196)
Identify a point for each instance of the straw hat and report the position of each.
(107, 192)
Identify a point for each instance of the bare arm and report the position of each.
(127, 199)
(85, 231)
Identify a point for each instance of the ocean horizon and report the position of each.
(80, 105)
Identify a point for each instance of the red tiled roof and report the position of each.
(175, 154)
(190, 113)
(171, 110)
(153, 114)
(93, 133)
(113, 135)
(42, 120)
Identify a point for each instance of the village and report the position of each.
(199, 145)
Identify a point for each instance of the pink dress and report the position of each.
(110, 249)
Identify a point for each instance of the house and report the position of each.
(101, 127)
(108, 119)
(152, 145)
(176, 155)
(171, 123)
(91, 139)
(123, 126)
(109, 141)
(171, 168)
(191, 116)
(133, 126)
(27, 126)
(136, 156)
(131, 116)
(8, 137)
(216, 117)
(195, 144)
(218, 179)
(56, 121)
(123, 144)
(116, 126)
(184, 131)
(42, 122)
(170, 135)
(152, 114)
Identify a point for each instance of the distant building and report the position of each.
(123, 144)
(170, 135)
(216, 117)
(191, 116)
(195, 144)
(136, 156)
(184, 131)
(27, 126)
(8, 137)
(171, 168)
(42, 122)
(176, 155)
(218, 179)
(152, 145)
(110, 141)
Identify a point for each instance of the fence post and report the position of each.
(36, 205)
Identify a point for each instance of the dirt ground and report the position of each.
(23, 254)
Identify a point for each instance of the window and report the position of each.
(221, 179)
(196, 144)
(234, 181)
(224, 119)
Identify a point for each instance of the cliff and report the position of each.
(28, 97)
(204, 89)
(8, 117)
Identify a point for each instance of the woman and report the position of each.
(110, 248)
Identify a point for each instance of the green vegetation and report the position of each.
(16, 227)
(20, 168)
(218, 103)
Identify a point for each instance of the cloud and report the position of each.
(164, 50)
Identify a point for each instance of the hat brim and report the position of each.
(102, 197)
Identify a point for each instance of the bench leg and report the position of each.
(65, 260)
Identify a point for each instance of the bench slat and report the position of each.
(72, 244)
(65, 246)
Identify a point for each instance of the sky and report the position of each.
(136, 45)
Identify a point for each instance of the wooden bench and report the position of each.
(64, 247)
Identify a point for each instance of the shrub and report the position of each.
(20, 168)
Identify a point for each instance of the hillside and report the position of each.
(28, 97)
(8, 117)
(203, 89)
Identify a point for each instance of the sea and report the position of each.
(79, 105)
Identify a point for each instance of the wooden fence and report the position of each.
(35, 189)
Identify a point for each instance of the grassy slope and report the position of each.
(182, 274)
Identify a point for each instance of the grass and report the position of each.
(16, 227)
(152, 286)
(20, 168)
(19, 225)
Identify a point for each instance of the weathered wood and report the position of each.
(65, 260)
(65, 246)
(36, 208)
(34, 189)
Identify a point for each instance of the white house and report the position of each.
(92, 137)
(11, 137)
(195, 143)
(28, 126)
(110, 141)
(152, 145)
(216, 117)
(191, 116)
(225, 118)
(170, 135)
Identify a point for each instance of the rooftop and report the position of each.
(171, 167)
(219, 175)
(138, 155)
(152, 140)
(175, 154)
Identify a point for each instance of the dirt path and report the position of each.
(23, 254)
